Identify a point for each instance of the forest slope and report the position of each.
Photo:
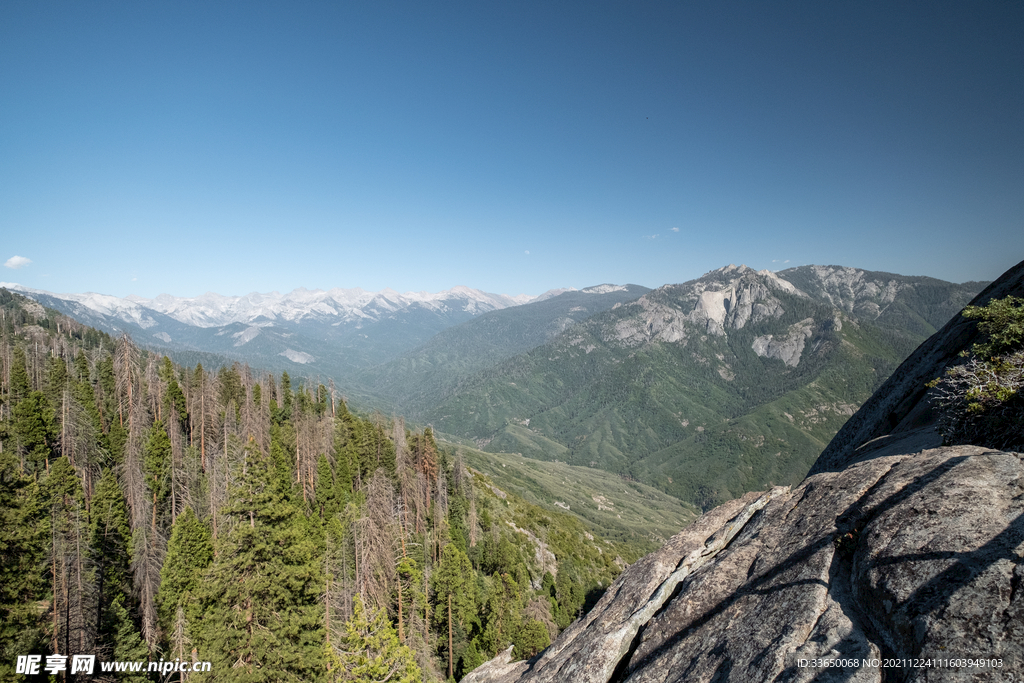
(417, 380)
(707, 389)
(150, 511)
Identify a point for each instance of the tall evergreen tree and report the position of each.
(23, 550)
(20, 385)
(117, 636)
(261, 616)
(189, 554)
(128, 643)
(456, 597)
(35, 430)
(156, 464)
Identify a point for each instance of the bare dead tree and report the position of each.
(405, 471)
(127, 373)
(441, 499)
(155, 387)
(179, 637)
(72, 585)
(345, 562)
(325, 437)
(132, 477)
(205, 418)
(339, 589)
(334, 397)
(460, 475)
(148, 541)
(191, 486)
(472, 522)
(263, 422)
(255, 416)
(421, 501)
(305, 460)
(78, 439)
(221, 464)
(378, 536)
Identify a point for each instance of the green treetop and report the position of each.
(370, 652)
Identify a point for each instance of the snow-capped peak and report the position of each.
(215, 310)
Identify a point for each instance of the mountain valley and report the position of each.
(706, 389)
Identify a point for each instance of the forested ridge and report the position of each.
(151, 511)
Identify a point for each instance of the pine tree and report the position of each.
(24, 542)
(20, 385)
(327, 503)
(456, 596)
(110, 544)
(259, 600)
(370, 651)
(504, 608)
(189, 554)
(156, 464)
(128, 643)
(35, 430)
(286, 397)
(117, 635)
(175, 401)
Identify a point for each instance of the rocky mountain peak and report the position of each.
(726, 298)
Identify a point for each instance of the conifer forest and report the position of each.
(150, 511)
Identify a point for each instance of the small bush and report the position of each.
(1002, 323)
(981, 399)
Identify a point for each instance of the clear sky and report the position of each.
(514, 147)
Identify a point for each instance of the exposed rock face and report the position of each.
(734, 296)
(931, 568)
(891, 561)
(851, 289)
(789, 348)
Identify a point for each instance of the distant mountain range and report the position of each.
(419, 379)
(706, 389)
(331, 333)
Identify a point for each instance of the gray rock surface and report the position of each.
(912, 556)
(893, 560)
(788, 348)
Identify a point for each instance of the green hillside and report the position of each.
(611, 506)
(663, 391)
(417, 380)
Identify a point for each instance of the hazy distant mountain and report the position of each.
(315, 332)
(421, 378)
(709, 388)
(336, 306)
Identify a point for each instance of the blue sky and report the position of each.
(185, 147)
